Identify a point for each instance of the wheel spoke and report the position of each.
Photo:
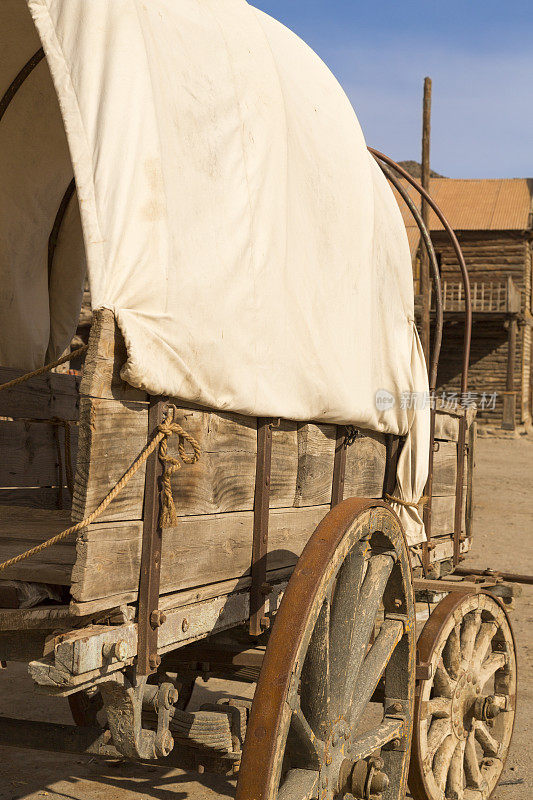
(454, 783)
(302, 743)
(373, 666)
(439, 707)
(370, 597)
(442, 681)
(486, 633)
(315, 675)
(493, 663)
(489, 745)
(471, 624)
(368, 743)
(451, 655)
(344, 618)
(473, 776)
(442, 760)
(439, 730)
(299, 784)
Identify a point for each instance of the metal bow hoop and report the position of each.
(383, 159)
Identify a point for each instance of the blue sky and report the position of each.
(479, 55)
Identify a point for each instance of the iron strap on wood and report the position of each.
(339, 466)
(147, 657)
(459, 491)
(258, 619)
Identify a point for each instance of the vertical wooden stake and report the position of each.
(509, 397)
(147, 658)
(425, 284)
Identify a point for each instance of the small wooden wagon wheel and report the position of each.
(464, 713)
(337, 682)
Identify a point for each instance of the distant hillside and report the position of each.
(415, 169)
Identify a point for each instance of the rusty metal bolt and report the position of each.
(116, 650)
(157, 618)
(379, 783)
(185, 625)
(397, 602)
(173, 696)
(395, 743)
(265, 623)
(396, 708)
(154, 661)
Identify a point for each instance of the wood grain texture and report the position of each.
(106, 356)
(112, 433)
(50, 395)
(198, 551)
(45, 498)
(22, 528)
(29, 453)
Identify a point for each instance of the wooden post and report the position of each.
(509, 398)
(425, 284)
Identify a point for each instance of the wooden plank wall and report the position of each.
(490, 256)
(214, 497)
(30, 441)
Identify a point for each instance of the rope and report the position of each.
(168, 518)
(168, 514)
(47, 367)
(404, 503)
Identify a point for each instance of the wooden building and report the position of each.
(493, 221)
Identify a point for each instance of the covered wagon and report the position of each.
(247, 470)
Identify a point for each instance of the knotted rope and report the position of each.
(168, 510)
(47, 367)
(404, 503)
(168, 517)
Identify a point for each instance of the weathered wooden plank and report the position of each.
(40, 571)
(111, 435)
(200, 550)
(45, 498)
(105, 358)
(18, 523)
(23, 528)
(50, 395)
(445, 469)
(365, 466)
(29, 453)
(442, 515)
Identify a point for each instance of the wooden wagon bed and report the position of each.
(214, 497)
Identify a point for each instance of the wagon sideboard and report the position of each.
(214, 497)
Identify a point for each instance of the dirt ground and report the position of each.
(503, 540)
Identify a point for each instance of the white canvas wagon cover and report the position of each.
(232, 218)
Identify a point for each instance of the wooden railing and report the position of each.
(501, 297)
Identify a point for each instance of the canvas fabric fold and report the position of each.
(232, 218)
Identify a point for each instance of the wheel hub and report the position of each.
(464, 697)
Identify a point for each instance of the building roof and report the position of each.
(498, 204)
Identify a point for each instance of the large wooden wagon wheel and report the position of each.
(337, 682)
(464, 713)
